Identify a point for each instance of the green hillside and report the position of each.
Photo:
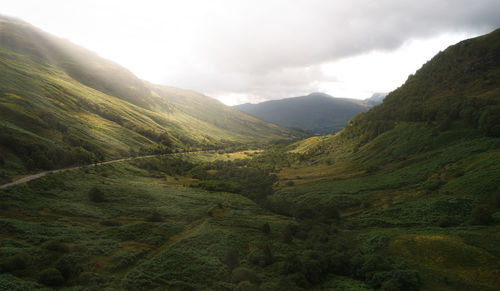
(317, 113)
(62, 105)
(417, 177)
(406, 197)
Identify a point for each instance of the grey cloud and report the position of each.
(268, 46)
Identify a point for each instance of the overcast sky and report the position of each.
(251, 51)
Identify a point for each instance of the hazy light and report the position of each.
(249, 51)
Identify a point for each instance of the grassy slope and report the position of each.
(410, 188)
(57, 97)
(113, 243)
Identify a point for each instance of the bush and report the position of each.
(68, 268)
(397, 280)
(155, 217)
(246, 286)
(14, 263)
(489, 122)
(482, 215)
(292, 265)
(241, 274)
(268, 255)
(110, 223)
(56, 246)
(232, 259)
(96, 195)
(266, 228)
(261, 256)
(287, 236)
(51, 277)
(448, 221)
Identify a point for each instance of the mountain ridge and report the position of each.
(61, 105)
(318, 113)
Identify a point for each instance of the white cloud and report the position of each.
(257, 50)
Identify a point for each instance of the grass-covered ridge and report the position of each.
(62, 105)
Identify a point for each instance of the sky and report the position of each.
(242, 51)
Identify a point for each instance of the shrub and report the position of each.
(56, 246)
(110, 223)
(241, 274)
(155, 216)
(287, 236)
(489, 121)
(14, 263)
(292, 265)
(246, 286)
(482, 215)
(67, 267)
(330, 212)
(397, 280)
(289, 183)
(232, 259)
(266, 228)
(298, 279)
(448, 221)
(51, 277)
(338, 263)
(96, 195)
(497, 198)
(268, 255)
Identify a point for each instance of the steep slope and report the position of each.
(459, 86)
(61, 104)
(416, 177)
(317, 113)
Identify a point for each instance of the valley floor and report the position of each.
(135, 225)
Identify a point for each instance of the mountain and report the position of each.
(61, 104)
(417, 177)
(406, 197)
(375, 99)
(316, 113)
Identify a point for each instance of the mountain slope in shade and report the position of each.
(418, 176)
(61, 104)
(317, 113)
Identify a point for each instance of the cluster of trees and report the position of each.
(236, 177)
(456, 85)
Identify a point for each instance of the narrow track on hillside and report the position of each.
(44, 173)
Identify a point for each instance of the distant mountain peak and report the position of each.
(319, 94)
(317, 113)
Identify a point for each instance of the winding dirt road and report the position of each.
(41, 174)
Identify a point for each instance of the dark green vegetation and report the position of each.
(407, 197)
(316, 113)
(418, 176)
(62, 105)
(134, 225)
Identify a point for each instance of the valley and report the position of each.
(134, 186)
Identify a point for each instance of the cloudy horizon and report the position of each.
(252, 51)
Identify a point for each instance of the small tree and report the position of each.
(96, 195)
(51, 277)
(482, 214)
(241, 274)
(155, 217)
(266, 228)
(232, 259)
(287, 235)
